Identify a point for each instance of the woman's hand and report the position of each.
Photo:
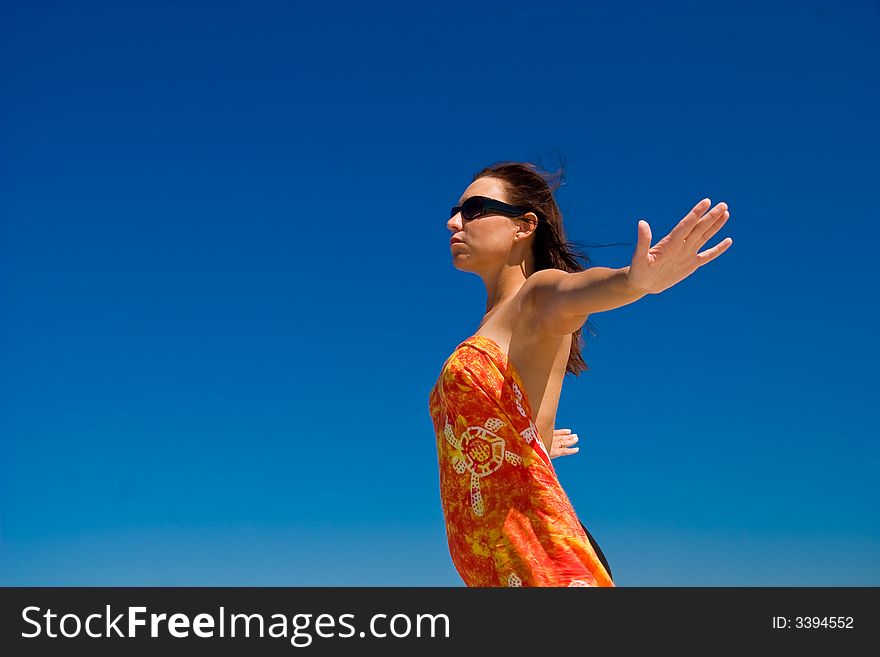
(562, 438)
(675, 257)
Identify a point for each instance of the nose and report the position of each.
(454, 223)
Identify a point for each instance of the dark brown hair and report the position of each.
(525, 184)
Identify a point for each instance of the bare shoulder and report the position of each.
(539, 287)
(545, 276)
(540, 302)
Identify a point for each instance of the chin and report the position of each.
(461, 262)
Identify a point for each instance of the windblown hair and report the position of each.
(526, 184)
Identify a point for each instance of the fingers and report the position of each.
(710, 254)
(705, 223)
(568, 440)
(684, 227)
(562, 441)
(565, 451)
(710, 232)
(700, 208)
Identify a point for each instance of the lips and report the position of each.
(455, 240)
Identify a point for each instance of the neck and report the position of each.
(503, 285)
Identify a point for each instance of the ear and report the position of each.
(529, 223)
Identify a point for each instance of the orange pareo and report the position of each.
(508, 520)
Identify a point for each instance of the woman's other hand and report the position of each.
(563, 439)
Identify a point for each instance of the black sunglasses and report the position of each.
(476, 206)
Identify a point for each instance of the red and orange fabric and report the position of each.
(508, 520)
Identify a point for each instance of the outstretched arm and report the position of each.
(563, 300)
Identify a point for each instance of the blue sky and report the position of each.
(226, 287)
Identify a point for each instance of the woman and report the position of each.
(508, 520)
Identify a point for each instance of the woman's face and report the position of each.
(485, 241)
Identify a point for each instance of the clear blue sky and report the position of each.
(226, 287)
